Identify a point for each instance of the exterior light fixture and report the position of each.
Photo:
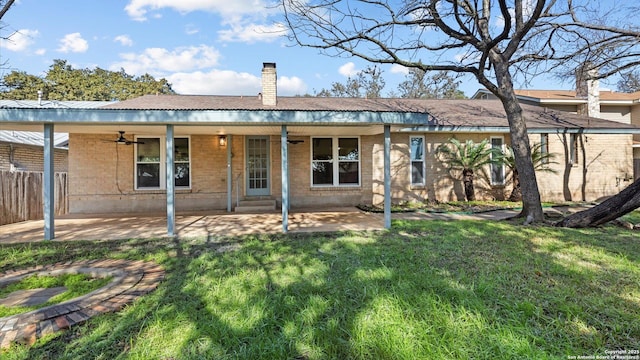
(222, 140)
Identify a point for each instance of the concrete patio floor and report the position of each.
(189, 225)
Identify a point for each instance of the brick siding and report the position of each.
(101, 174)
(30, 158)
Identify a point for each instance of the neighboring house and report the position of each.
(589, 100)
(183, 152)
(23, 150)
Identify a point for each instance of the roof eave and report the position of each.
(208, 117)
(505, 130)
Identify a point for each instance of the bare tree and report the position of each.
(494, 40)
(419, 84)
(366, 83)
(4, 7)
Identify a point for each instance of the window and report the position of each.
(417, 160)
(335, 161)
(544, 147)
(573, 148)
(150, 154)
(497, 169)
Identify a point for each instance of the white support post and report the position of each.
(170, 180)
(48, 183)
(387, 177)
(229, 174)
(285, 179)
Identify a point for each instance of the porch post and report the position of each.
(170, 180)
(284, 149)
(387, 177)
(229, 174)
(48, 183)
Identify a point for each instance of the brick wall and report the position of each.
(101, 177)
(101, 174)
(30, 158)
(609, 158)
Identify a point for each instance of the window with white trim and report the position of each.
(150, 168)
(335, 161)
(497, 169)
(418, 168)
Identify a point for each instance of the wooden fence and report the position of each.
(21, 196)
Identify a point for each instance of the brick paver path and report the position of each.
(131, 279)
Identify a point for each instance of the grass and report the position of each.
(76, 284)
(423, 290)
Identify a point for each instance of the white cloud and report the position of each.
(41, 52)
(138, 9)
(289, 86)
(399, 69)
(124, 40)
(226, 82)
(73, 43)
(251, 33)
(215, 82)
(160, 60)
(20, 40)
(191, 29)
(348, 69)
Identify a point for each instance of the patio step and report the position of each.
(249, 206)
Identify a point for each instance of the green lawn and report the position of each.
(424, 290)
(76, 284)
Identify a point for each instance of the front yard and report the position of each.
(424, 290)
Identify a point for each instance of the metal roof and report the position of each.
(61, 140)
(52, 104)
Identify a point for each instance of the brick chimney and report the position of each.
(269, 81)
(588, 87)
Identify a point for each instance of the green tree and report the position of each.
(63, 82)
(469, 158)
(542, 161)
(367, 83)
(420, 84)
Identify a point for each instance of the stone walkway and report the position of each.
(130, 279)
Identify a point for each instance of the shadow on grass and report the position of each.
(436, 290)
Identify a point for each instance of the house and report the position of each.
(587, 99)
(23, 150)
(186, 152)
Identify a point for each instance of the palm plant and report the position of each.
(541, 162)
(469, 157)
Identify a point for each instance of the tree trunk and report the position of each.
(516, 193)
(531, 203)
(467, 180)
(616, 206)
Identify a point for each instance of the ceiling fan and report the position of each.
(122, 140)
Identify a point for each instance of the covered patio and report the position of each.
(190, 225)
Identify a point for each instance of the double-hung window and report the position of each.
(497, 169)
(335, 161)
(150, 169)
(417, 160)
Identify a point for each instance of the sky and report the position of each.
(206, 47)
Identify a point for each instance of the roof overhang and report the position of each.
(505, 130)
(206, 117)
